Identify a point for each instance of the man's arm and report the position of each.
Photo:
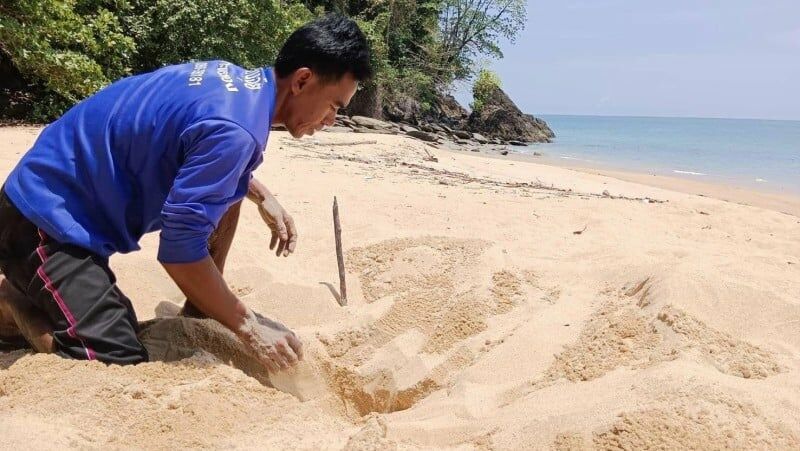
(209, 179)
(201, 282)
(257, 192)
(276, 346)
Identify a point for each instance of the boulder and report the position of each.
(450, 112)
(463, 134)
(369, 122)
(545, 128)
(500, 118)
(480, 138)
(380, 131)
(517, 143)
(402, 109)
(425, 136)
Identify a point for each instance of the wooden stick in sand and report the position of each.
(337, 232)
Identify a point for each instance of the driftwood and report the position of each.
(454, 178)
(348, 143)
(337, 232)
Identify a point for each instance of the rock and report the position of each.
(545, 128)
(461, 141)
(517, 143)
(475, 149)
(480, 138)
(408, 128)
(500, 118)
(437, 128)
(606, 193)
(450, 111)
(338, 129)
(378, 131)
(426, 128)
(402, 108)
(425, 136)
(503, 152)
(369, 122)
(463, 134)
(537, 154)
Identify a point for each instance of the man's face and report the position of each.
(313, 102)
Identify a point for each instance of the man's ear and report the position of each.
(300, 79)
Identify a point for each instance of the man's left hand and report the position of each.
(284, 232)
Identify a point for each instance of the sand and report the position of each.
(477, 317)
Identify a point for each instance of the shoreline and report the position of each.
(781, 202)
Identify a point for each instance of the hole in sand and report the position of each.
(440, 294)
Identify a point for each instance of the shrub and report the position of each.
(485, 84)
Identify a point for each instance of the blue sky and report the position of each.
(695, 58)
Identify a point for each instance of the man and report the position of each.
(172, 150)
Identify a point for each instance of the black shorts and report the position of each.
(74, 287)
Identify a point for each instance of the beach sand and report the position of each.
(478, 317)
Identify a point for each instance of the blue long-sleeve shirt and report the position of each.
(169, 150)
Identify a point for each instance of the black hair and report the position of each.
(331, 46)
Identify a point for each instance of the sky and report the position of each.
(687, 58)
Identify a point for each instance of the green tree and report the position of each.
(486, 83)
(471, 28)
(246, 32)
(64, 49)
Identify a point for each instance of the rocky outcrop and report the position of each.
(500, 118)
(445, 111)
(403, 109)
(449, 112)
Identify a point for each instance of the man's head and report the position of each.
(318, 70)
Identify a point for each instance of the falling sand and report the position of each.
(477, 319)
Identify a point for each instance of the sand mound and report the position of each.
(727, 354)
(195, 402)
(703, 420)
(625, 331)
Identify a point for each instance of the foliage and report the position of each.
(470, 28)
(246, 32)
(486, 83)
(66, 49)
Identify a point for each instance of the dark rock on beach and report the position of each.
(500, 118)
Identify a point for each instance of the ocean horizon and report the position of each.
(754, 153)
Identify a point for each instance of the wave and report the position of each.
(688, 172)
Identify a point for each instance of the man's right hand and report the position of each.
(272, 343)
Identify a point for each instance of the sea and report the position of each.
(753, 153)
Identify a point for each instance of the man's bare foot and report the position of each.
(19, 317)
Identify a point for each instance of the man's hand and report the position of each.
(284, 233)
(272, 343)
